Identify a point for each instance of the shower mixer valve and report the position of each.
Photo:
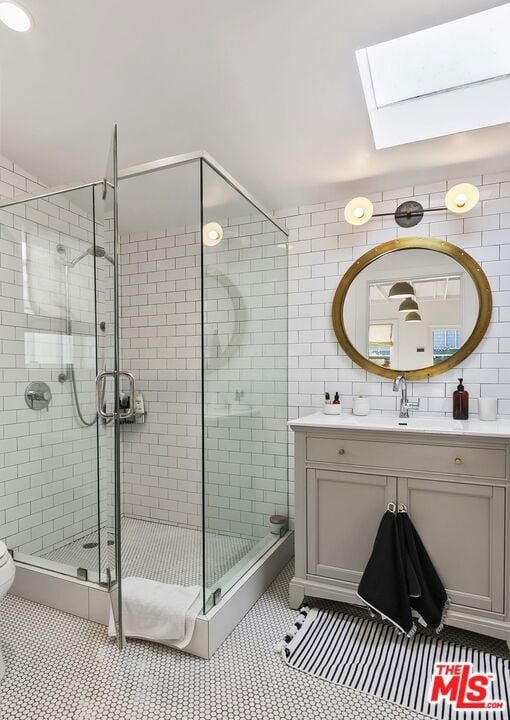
(38, 396)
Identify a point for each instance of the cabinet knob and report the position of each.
(458, 461)
(341, 451)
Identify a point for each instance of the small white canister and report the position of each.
(488, 409)
(332, 408)
(360, 406)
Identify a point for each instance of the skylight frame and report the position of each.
(467, 99)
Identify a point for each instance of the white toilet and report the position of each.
(7, 570)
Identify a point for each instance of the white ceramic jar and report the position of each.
(488, 409)
(360, 406)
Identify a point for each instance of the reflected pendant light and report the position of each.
(358, 211)
(407, 305)
(413, 317)
(212, 234)
(401, 290)
(462, 198)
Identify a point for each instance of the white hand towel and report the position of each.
(157, 611)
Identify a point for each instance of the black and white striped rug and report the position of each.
(375, 658)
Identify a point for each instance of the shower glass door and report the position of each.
(59, 426)
(108, 387)
(48, 364)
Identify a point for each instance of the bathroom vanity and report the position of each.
(452, 475)
(408, 309)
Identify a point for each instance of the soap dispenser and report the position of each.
(460, 402)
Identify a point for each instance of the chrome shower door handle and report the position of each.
(101, 378)
(131, 410)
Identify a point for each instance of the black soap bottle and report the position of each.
(460, 402)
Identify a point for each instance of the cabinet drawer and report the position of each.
(462, 461)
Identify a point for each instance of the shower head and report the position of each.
(99, 252)
(94, 250)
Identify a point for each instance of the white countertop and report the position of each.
(437, 425)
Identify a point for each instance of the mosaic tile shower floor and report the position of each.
(61, 667)
(162, 552)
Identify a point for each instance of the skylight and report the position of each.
(444, 79)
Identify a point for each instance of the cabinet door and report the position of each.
(344, 510)
(463, 529)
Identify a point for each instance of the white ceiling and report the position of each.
(270, 89)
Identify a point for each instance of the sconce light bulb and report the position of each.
(358, 211)
(213, 235)
(462, 198)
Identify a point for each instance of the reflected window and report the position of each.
(445, 343)
(380, 343)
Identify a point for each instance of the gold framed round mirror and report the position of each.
(412, 306)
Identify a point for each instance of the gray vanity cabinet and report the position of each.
(456, 492)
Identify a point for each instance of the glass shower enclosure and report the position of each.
(144, 376)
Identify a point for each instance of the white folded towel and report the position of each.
(157, 611)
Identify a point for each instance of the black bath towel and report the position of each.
(432, 601)
(385, 585)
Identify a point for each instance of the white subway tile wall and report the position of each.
(245, 379)
(160, 321)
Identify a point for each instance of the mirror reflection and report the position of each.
(410, 309)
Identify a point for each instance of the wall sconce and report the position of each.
(358, 211)
(212, 234)
(462, 198)
(459, 199)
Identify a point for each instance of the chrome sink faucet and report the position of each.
(405, 405)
